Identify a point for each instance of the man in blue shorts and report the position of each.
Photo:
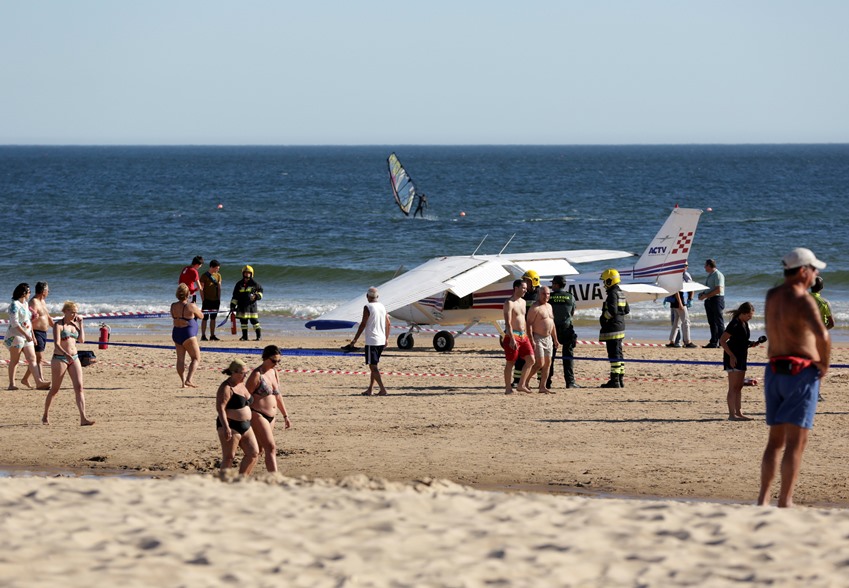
(799, 352)
(376, 324)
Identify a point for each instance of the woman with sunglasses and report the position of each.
(20, 339)
(264, 386)
(67, 332)
(234, 419)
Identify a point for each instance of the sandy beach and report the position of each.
(665, 436)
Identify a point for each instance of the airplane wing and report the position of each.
(571, 256)
(460, 275)
(652, 289)
(644, 289)
(556, 263)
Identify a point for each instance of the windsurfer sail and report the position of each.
(402, 184)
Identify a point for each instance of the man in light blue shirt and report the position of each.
(714, 299)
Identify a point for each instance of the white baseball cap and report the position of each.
(800, 257)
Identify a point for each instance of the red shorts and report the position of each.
(523, 348)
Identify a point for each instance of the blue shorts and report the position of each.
(373, 353)
(40, 340)
(791, 399)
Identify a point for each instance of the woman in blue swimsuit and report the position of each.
(234, 419)
(264, 386)
(67, 332)
(185, 315)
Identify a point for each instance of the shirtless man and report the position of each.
(541, 326)
(799, 352)
(516, 342)
(41, 323)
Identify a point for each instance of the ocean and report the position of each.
(111, 227)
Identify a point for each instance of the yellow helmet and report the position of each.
(248, 268)
(610, 277)
(532, 276)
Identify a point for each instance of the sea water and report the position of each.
(111, 227)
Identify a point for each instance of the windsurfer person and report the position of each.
(421, 206)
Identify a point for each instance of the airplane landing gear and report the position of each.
(443, 341)
(405, 341)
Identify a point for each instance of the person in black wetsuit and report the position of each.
(421, 206)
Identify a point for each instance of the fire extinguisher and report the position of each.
(232, 323)
(104, 336)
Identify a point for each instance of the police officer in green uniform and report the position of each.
(563, 304)
(612, 321)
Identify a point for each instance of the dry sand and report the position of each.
(665, 435)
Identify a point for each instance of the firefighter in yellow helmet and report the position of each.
(612, 321)
(246, 293)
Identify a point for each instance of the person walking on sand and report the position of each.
(41, 323)
(799, 351)
(185, 315)
(266, 400)
(20, 339)
(67, 333)
(735, 343)
(516, 343)
(210, 287)
(541, 327)
(714, 298)
(233, 422)
(376, 324)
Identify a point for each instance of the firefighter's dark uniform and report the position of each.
(246, 293)
(612, 321)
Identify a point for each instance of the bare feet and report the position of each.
(44, 420)
(739, 417)
(544, 390)
(12, 388)
(44, 386)
(368, 393)
(382, 393)
(190, 385)
(509, 391)
(86, 423)
(525, 390)
(26, 383)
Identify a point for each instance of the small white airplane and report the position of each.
(468, 290)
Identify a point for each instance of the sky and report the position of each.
(446, 72)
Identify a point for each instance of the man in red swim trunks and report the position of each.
(799, 352)
(516, 342)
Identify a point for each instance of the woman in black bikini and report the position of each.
(264, 386)
(234, 419)
(67, 332)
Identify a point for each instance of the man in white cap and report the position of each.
(799, 351)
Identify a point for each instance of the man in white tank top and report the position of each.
(375, 323)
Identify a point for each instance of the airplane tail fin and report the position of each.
(664, 260)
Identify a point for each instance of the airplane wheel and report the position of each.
(443, 341)
(405, 341)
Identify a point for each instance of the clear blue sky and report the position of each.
(357, 72)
